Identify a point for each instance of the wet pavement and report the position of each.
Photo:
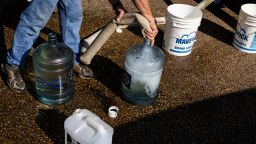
(206, 97)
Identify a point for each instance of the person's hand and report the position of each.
(119, 10)
(151, 33)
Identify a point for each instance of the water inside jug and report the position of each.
(53, 63)
(143, 70)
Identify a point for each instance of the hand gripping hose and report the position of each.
(103, 35)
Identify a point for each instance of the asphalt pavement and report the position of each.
(205, 97)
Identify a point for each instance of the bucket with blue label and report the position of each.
(182, 22)
(245, 33)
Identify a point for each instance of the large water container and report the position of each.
(143, 70)
(53, 63)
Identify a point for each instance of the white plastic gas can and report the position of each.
(84, 127)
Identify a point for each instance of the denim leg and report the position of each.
(71, 17)
(32, 20)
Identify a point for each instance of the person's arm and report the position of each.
(144, 8)
(118, 8)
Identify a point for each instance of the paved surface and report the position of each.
(206, 97)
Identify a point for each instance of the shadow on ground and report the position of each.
(233, 5)
(168, 2)
(107, 72)
(226, 119)
(216, 31)
(52, 123)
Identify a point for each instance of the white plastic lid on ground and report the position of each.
(85, 127)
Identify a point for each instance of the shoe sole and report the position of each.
(86, 78)
(80, 76)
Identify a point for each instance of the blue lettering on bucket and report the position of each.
(185, 41)
(186, 38)
(183, 51)
(238, 42)
(242, 39)
(241, 33)
(246, 49)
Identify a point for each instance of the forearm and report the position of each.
(144, 8)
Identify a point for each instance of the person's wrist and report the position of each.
(151, 20)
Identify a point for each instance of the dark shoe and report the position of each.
(14, 78)
(83, 71)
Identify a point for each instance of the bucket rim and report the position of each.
(244, 10)
(197, 20)
(195, 9)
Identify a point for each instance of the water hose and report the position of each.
(97, 44)
(103, 35)
(94, 43)
(203, 4)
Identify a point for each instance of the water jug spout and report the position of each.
(52, 39)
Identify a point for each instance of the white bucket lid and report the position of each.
(249, 10)
(247, 14)
(183, 16)
(184, 12)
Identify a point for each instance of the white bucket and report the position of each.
(245, 33)
(182, 22)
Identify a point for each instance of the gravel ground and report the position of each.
(206, 97)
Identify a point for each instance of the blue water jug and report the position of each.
(53, 63)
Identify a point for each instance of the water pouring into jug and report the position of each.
(143, 69)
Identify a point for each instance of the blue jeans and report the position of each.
(36, 16)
